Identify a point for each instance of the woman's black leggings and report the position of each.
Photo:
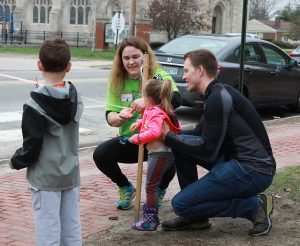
(108, 154)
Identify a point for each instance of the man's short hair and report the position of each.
(206, 59)
(55, 55)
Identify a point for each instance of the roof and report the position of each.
(283, 26)
(256, 26)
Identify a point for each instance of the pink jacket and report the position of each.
(151, 124)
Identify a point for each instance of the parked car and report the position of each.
(250, 35)
(271, 77)
(295, 54)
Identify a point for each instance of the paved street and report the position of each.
(90, 78)
(98, 194)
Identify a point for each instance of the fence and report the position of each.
(38, 37)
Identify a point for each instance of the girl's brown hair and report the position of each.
(118, 72)
(161, 93)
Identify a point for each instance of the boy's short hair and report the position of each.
(55, 55)
(206, 59)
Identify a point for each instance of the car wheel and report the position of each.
(295, 107)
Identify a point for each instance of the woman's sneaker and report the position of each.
(127, 193)
(262, 223)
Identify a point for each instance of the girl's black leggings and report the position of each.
(107, 155)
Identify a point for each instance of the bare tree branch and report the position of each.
(260, 9)
(177, 17)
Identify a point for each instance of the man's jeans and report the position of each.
(228, 190)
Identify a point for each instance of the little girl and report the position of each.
(158, 111)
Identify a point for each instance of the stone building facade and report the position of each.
(88, 17)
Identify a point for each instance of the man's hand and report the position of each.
(165, 130)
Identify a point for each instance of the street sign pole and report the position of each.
(117, 25)
(117, 34)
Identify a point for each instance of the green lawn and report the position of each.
(85, 53)
(286, 182)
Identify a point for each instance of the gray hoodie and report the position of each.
(50, 127)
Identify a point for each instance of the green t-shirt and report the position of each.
(131, 92)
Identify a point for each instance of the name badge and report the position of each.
(126, 98)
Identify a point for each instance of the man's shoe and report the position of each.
(262, 223)
(127, 193)
(181, 224)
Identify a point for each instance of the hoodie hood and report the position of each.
(60, 103)
(171, 120)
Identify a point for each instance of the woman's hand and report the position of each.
(138, 105)
(117, 119)
(126, 113)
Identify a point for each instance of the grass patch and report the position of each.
(82, 53)
(286, 182)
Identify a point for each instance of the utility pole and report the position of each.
(243, 43)
(132, 18)
(94, 7)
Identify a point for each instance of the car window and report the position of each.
(273, 57)
(186, 44)
(251, 54)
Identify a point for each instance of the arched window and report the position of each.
(35, 14)
(73, 15)
(1, 10)
(6, 9)
(41, 11)
(79, 12)
(48, 15)
(43, 15)
(80, 15)
(87, 12)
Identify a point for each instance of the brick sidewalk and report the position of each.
(98, 194)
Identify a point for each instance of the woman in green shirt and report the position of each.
(124, 94)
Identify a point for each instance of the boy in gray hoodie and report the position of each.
(50, 127)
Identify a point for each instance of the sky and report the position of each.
(280, 4)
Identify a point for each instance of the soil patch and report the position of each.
(224, 231)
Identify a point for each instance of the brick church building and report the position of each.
(91, 19)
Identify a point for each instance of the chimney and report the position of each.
(277, 22)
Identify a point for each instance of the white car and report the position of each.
(295, 54)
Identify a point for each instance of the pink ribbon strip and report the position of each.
(17, 78)
(98, 101)
(36, 83)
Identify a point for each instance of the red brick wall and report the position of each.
(100, 35)
(142, 29)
